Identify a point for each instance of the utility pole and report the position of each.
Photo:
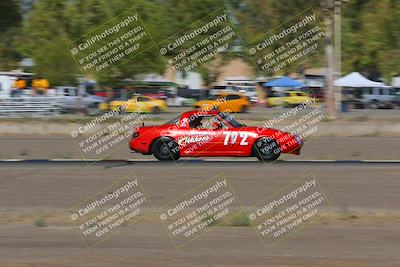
(330, 60)
(333, 56)
(338, 52)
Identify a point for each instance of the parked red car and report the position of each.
(201, 133)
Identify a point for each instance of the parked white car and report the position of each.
(178, 101)
(68, 100)
(249, 91)
(377, 97)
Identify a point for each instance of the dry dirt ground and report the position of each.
(363, 229)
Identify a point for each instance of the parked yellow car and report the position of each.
(225, 102)
(138, 103)
(288, 99)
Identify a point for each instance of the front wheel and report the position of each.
(373, 104)
(93, 109)
(266, 149)
(165, 149)
(243, 109)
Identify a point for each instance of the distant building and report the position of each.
(236, 67)
(313, 77)
(191, 79)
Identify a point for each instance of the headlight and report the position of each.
(299, 140)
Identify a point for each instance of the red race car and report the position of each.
(202, 133)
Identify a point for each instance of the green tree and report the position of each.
(257, 18)
(10, 21)
(53, 24)
(370, 32)
(10, 15)
(45, 38)
(371, 37)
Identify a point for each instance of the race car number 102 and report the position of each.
(232, 138)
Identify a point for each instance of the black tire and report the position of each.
(122, 110)
(373, 104)
(266, 149)
(165, 149)
(243, 109)
(93, 109)
(155, 110)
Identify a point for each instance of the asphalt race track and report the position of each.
(363, 232)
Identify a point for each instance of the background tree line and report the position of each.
(370, 31)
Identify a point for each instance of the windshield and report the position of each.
(229, 118)
(173, 121)
(213, 97)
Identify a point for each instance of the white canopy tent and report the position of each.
(355, 79)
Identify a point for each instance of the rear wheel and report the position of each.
(155, 110)
(266, 149)
(165, 149)
(286, 105)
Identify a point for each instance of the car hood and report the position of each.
(263, 131)
(117, 103)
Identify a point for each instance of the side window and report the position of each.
(195, 123)
(69, 92)
(131, 93)
(143, 99)
(233, 97)
(299, 94)
(207, 123)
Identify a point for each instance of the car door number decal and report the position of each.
(232, 138)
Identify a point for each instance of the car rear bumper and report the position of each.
(296, 151)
